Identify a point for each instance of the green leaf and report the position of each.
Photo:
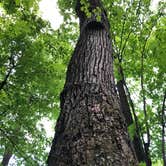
(131, 130)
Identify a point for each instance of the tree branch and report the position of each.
(122, 32)
(11, 67)
(147, 144)
(163, 122)
(19, 151)
(130, 100)
(3, 83)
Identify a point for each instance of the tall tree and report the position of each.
(28, 63)
(91, 129)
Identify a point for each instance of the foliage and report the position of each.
(131, 130)
(33, 60)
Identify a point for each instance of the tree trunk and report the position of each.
(6, 157)
(163, 123)
(91, 129)
(125, 108)
(124, 103)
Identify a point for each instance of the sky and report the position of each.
(49, 11)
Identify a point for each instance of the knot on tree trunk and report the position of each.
(97, 17)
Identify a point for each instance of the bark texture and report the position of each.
(91, 130)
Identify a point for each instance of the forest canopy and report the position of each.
(34, 59)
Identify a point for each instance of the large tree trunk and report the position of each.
(91, 129)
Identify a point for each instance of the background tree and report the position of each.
(32, 65)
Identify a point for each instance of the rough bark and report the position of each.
(91, 129)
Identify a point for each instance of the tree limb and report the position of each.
(11, 67)
(163, 122)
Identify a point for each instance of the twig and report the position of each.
(122, 32)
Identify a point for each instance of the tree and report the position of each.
(28, 63)
(33, 60)
(91, 129)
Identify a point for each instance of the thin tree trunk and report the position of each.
(147, 144)
(124, 103)
(129, 120)
(91, 129)
(6, 157)
(163, 131)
